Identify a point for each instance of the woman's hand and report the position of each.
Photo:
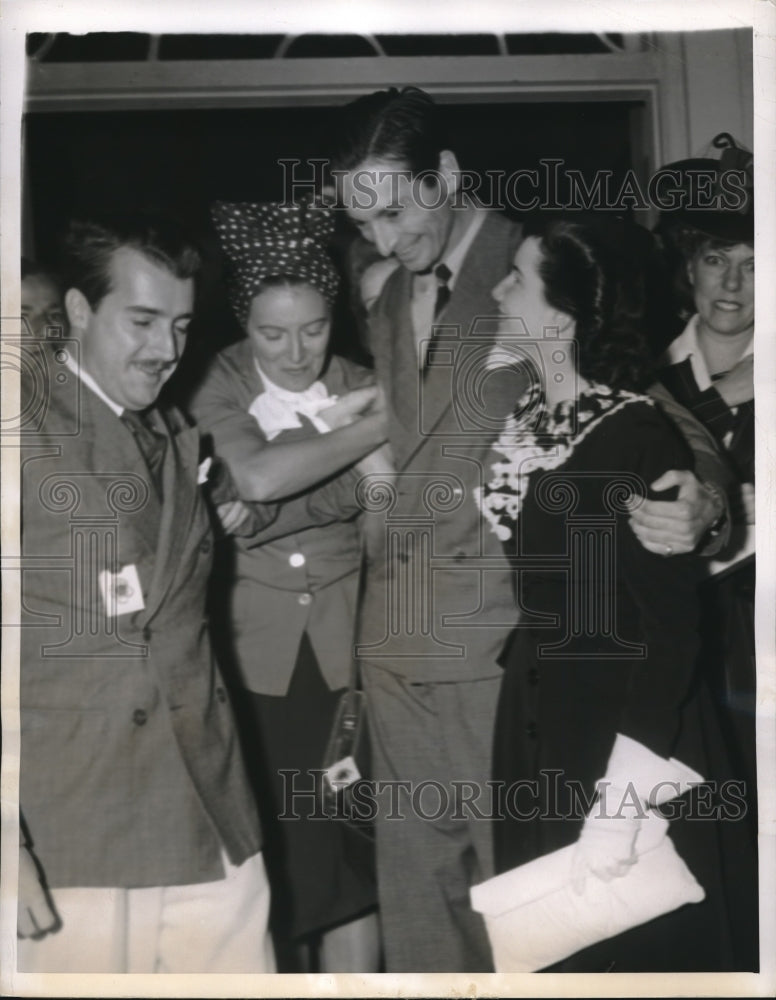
(607, 845)
(349, 407)
(233, 516)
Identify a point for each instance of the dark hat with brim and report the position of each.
(713, 196)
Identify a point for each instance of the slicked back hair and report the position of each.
(89, 245)
(402, 126)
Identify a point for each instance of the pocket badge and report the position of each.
(203, 471)
(121, 592)
(342, 773)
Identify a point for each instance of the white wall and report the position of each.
(706, 87)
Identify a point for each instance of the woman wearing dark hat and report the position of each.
(709, 369)
(285, 417)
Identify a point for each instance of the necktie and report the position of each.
(443, 275)
(151, 444)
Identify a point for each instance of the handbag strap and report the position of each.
(354, 683)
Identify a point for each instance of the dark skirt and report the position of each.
(728, 663)
(320, 871)
(728, 660)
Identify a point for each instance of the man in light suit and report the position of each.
(142, 846)
(439, 599)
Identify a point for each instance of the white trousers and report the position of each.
(210, 927)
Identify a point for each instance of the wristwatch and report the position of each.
(721, 508)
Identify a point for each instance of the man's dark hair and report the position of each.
(89, 245)
(30, 269)
(397, 125)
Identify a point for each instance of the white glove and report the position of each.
(636, 779)
(606, 845)
(653, 779)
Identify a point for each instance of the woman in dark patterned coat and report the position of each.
(600, 691)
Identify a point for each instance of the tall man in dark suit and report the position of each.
(439, 599)
(135, 805)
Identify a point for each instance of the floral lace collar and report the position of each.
(535, 437)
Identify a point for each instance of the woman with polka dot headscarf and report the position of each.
(287, 417)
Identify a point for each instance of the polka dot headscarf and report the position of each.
(270, 239)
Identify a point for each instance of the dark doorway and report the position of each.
(178, 162)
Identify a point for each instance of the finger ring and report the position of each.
(669, 550)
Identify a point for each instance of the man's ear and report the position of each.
(77, 308)
(449, 170)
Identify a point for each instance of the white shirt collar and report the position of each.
(275, 409)
(686, 347)
(88, 381)
(424, 287)
(455, 257)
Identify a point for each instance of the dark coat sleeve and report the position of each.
(664, 591)
(709, 465)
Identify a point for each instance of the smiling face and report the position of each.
(288, 326)
(408, 218)
(723, 288)
(132, 341)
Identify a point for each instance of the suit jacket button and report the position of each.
(139, 717)
(531, 730)
(205, 545)
(533, 676)
(305, 599)
(296, 559)
(221, 694)
(146, 634)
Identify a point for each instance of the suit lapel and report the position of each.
(114, 452)
(404, 358)
(179, 484)
(396, 361)
(469, 316)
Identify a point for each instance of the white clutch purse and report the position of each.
(535, 918)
